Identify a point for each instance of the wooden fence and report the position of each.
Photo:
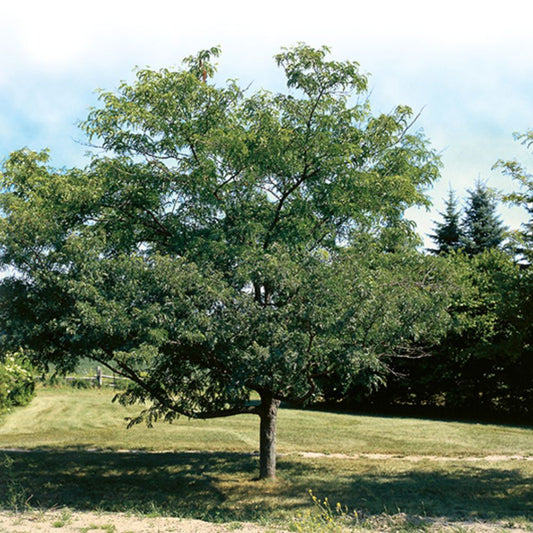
(99, 379)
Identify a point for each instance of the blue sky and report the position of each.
(468, 65)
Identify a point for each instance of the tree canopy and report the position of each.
(483, 367)
(222, 243)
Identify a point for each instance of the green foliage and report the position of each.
(523, 197)
(399, 307)
(483, 366)
(489, 354)
(16, 381)
(479, 230)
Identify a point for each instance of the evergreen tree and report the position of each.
(448, 233)
(482, 227)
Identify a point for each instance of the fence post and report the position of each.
(99, 377)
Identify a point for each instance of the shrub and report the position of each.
(17, 385)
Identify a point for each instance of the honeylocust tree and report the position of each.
(222, 242)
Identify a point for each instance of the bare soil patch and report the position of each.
(65, 521)
(89, 522)
(416, 458)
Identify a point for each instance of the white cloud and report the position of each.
(60, 34)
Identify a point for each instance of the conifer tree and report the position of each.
(482, 228)
(448, 233)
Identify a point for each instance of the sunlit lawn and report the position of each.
(69, 417)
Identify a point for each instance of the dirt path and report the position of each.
(417, 458)
(372, 456)
(65, 521)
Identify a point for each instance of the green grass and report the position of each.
(87, 418)
(206, 469)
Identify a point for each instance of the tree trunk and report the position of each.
(267, 452)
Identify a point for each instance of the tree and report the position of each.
(481, 226)
(483, 367)
(485, 363)
(522, 197)
(208, 249)
(448, 235)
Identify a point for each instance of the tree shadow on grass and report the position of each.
(465, 492)
(220, 486)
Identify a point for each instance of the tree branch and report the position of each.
(304, 176)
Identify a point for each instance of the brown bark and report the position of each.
(268, 413)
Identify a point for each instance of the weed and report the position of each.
(64, 519)
(234, 526)
(322, 518)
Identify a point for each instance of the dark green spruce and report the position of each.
(482, 228)
(448, 235)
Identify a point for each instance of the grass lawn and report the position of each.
(73, 450)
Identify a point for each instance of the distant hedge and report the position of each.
(17, 385)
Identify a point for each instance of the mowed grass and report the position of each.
(71, 448)
(68, 417)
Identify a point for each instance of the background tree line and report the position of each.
(483, 367)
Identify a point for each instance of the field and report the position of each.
(69, 451)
